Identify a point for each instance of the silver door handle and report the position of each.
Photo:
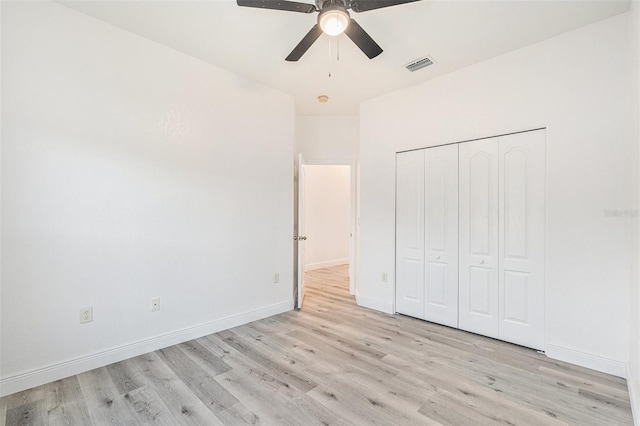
(481, 261)
(437, 257)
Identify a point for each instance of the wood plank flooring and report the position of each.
(330, 363)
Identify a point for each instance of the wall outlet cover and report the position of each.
(86, 315)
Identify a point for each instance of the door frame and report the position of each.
(353, 221)
(297, 160)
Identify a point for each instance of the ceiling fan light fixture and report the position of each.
(334, 20)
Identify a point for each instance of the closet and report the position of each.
(470, 236)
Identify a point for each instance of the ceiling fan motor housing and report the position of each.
(321, 4)
(334, 19)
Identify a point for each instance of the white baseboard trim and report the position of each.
(594, 362)
(326, 264)
(377, 305)
(40, 376)
(633, 383)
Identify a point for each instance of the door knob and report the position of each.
(302, 238)
(481, 261)
(437, 257)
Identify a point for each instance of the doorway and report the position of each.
(328, 202)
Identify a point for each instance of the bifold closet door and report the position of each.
(441, 235)
(478, 228)
(470, 227)
(502, 228)
(410, 233)
(521, 235)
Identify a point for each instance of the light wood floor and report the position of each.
(331, 363)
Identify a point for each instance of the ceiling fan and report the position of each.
(333, 19)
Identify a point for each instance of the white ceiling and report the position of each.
(254, 42)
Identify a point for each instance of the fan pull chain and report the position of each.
(330, 55)
(337, 53)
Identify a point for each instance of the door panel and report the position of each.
(441, 235)
(436, 201)
(516, 294)
(514, 189)
(521, 233)
(480, 292)
(481, 187)
(413, 280)
(478, 224)
(437, 292)
(410, 233)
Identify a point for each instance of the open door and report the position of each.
(301, 238)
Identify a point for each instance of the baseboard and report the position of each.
(40, 376)
(377, 305)
(326, 264)
(594, 362)
(634, 395)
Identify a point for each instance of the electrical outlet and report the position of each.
(155, 304)
(86, 315)
(276, 278)
(385, 277)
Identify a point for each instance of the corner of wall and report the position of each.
(587, 360)
(376, 305)
(633, 368)
(634, 394)
(0, 201)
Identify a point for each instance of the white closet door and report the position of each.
(441, 235)
(478, 215)
(410, 233)
(522, 230)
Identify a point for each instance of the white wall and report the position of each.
(1, 174)
(327, 139)
(129, 172)
(577, 85)
(327, 214)
(633, 378)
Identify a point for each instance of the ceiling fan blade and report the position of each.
(364, 5)
(289, 6)
(363, 40)
(304, 44)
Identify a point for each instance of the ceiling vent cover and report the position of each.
(419, 63)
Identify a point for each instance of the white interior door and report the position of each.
(410, 233)
(441, 235)
(478, 228)
(521, 233)
(301, 237)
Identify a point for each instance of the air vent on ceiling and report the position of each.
(419, 63)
